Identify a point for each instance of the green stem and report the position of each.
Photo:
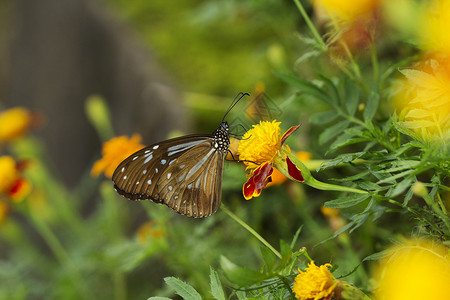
(311, 26)
(249, 229)
(60, 254)
(376, 73)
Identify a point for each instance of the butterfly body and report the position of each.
(184, 173)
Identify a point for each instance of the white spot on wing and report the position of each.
(144, 172)
(149, 181)
(148, 159)
(124, 177)
(156, 170)
(168, 175)
(134, 158)
(155, 147)
(163, 161)
(123, 169)
(170, 187)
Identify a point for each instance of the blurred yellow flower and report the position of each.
(8, 173)
(14, 123)
(149, 230)
(114, 152)
(424, 100)
(316, 283)
(344, 9)
(415, 270)
(433, 32)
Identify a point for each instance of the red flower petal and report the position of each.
(289, 132)
(293, 171)
(258, 181)
(248, 189)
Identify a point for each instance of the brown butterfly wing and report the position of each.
(193, 185)
(136, 177)
(184, 174)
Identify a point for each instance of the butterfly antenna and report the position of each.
(235, 101)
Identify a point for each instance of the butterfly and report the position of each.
(184, 173)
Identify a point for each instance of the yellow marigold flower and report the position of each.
(415, 270)
(316, 283)
(114, 152)
(262, 148)
(433, 32)
(424, 100)
(14, 123)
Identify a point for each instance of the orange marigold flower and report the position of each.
(14, 123)
(315, 283)
(415, 270)
(114, 152)
(262, 148)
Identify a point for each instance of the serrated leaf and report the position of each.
(343, 141)
(239, 275)
(185, 290)
(343, 158)
(368, 185)
(346, 201)
(371, 106)
(352, 97)
(323, 117)
(401, 187)
(333, 131)
(216, 285)
(305, 87)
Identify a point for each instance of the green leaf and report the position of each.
(216, 285)
(183, 289)
(333, 131)
(340, 231)
(343, 158)
(158, 298)
(401, 187)
(371, 106)
(269, 258)
(323, 117)
(352, 97)
(294, 239)
(343, 141)
(239, 275)
(334, 93)
(347, 201)
(305, 87)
